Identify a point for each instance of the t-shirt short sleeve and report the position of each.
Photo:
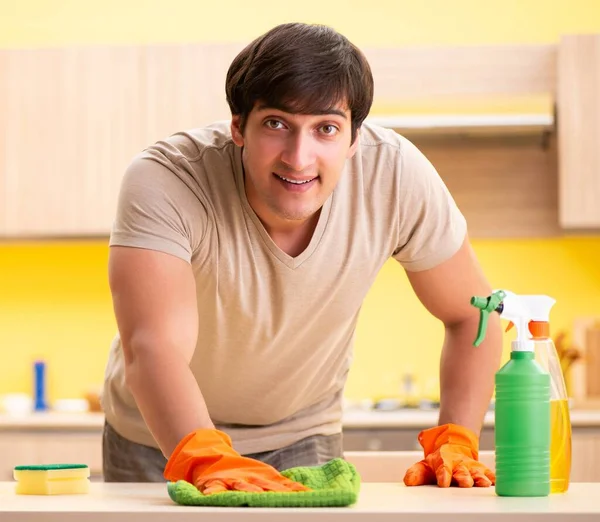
(158, 211)
(431, 226)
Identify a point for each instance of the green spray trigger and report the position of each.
(486, 306)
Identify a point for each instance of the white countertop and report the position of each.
(377, 501)
(351, 419)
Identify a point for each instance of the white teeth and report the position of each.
(294, 182)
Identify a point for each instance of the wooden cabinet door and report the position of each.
(74, 448)
(578, 114)
(585, 463)
(50, 447)
(72, 119)
(66, 123)
(16, 449)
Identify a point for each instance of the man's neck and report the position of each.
(293, 238)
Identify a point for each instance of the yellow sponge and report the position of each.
(52, 479)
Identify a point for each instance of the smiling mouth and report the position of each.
(295, 182)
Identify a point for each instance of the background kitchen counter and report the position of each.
(353, 419)
(77, 437)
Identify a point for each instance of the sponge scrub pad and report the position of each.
(52, 479)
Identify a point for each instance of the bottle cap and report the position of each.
(539, 329)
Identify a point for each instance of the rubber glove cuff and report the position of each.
(184, 464)
(432, 439)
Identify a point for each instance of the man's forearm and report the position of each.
(168, 397)
(467, 373)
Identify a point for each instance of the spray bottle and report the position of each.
(560, 419)
(522, 412)
(538, 310)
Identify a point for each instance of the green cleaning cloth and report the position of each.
(333, 484)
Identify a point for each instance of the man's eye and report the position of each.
(273, 124)
(329, 130)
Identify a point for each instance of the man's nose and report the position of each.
(298, 153)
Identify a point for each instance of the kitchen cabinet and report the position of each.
(515, 175)
(578, 110)
(72, 119)
(64, 147)
(585, 463)
(16, 450)
(50, 447)
(66, 131)
(539, 172)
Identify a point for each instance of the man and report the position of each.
(240, 257)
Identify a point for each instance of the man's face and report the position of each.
(292, 162)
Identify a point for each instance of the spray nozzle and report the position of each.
(486, 306)
(525, 312)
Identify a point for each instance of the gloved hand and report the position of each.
(207, 459)
(451, 453)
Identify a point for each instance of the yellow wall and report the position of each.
(396, 333)
(54, 298)
(56, 305)
(372, 22)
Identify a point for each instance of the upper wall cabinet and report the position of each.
(578, 111)
(539, 172)
(71, 120)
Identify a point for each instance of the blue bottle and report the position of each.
(40, 403)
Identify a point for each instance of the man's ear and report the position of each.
(236, 131)
(354, 146)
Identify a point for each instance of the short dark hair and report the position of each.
(303, 69)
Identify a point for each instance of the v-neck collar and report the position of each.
(283, 257)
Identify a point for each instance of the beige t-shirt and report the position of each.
(275, 332)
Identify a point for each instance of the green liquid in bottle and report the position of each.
(522, 428)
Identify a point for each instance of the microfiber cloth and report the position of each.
(333, 484)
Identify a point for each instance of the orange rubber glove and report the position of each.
(451, 457)
(207, 459)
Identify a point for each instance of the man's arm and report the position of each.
(466, 372)
(154, 298)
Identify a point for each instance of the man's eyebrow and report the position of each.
(319, 112)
